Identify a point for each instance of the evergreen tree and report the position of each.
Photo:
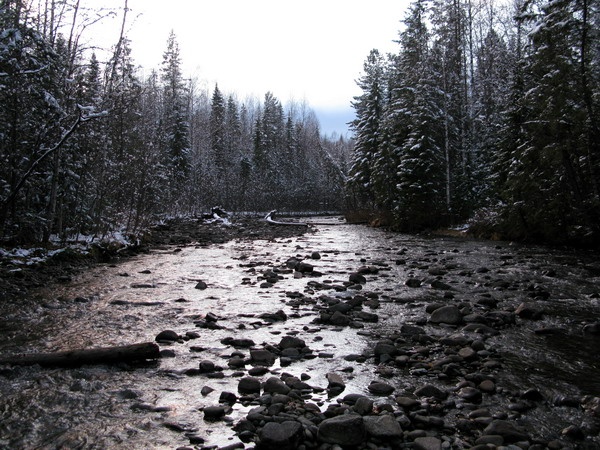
(175, 121)
(369, 114)
(218, 131)
(415, 114)
(32, 120)
(550, 188)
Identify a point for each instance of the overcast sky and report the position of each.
(310, 50)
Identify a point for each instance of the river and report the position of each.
(159, 405)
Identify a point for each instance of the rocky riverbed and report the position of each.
(342, 337)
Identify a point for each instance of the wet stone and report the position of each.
(201, 285)
(427, 443)
(262, 356)
(430, 390)
(413, 283)
(407, 402)
(529, 311)
(275, 386)
(345, 430)
(167, 336)
(238, 342)
(280, 436)
(383, 427)
(214, 412)
(380, 388)
(206, 366)
(470, 394)
(291, 342)
(357, 278)
(487, 386)
(507, 430)
(227, 397)
(249, 385)
(363, 406)
(450, 315)
(206, 390)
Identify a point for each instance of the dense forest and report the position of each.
(489, 111)
(89, 146)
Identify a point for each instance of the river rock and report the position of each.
(274, 385)
(487, 386)
(214, 412)
(347, 430)
(413, 283)
(206, 390)
(304, 267)
(467, 353)
(470, 394)
(167, 336)
(446, 314)
(407, 403)
(507, 430)
(278, 316)
(427, 443)
(383, 427)
(385, 348)
(380, 388)
(529, 311)
(440, 285)
(280, 436)
(201, 285)
(249, 385)
(291, 342)
(206, 366)
(357, 278)
(340, 319)
(335, 380)
(238, 342)
(227, 397)
(363, 405)
(262, 357)
(429, 390)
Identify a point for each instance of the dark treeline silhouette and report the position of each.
(89, 147)
(490, 111)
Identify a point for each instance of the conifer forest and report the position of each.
(487, 114)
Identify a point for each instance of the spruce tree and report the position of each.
(368, 107)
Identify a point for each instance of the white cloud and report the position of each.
(310, 49)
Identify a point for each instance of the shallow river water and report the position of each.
(154, 405)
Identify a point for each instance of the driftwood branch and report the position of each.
(105, 355)
(270, 219)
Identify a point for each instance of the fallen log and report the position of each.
(270, 219)
(104, 355)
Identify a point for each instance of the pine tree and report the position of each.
(415, 116)
(31, 120)
(175, 121)
(552, 190)
(218, 131)
(369, 114)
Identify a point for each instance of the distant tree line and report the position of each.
(88, 147)
(489, 110)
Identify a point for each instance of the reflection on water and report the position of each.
(142, 407)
